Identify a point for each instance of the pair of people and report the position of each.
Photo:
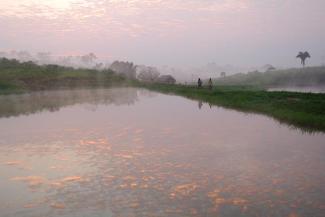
(199, 83)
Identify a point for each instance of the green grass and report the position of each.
(303, 110)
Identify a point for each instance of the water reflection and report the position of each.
(200, 104)
(311, 89)
(91, 99)
(29, 103)
(160, 157)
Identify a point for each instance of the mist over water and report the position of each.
(131, 152)
(69, 151)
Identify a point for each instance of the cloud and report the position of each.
(122, 27)
(112, 11)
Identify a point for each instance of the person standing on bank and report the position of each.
(199, 83)
(210, 84)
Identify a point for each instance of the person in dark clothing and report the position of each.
(210, 83)
(199, 83)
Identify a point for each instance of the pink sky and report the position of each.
(172, 32)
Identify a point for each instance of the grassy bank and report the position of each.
(16, 77)
(303, 110)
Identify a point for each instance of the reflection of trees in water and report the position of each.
(147, 93)
(24, 104)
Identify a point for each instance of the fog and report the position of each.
(187, 39)
(80, 142)
(175, 33)
(92, 61)
(89, 60)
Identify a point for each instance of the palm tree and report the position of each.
(303, 56)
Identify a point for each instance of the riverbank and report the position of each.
(303, 110)
(17, 77)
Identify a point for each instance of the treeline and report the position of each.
(15, 75)
(309, 76)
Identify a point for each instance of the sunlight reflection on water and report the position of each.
(130, 152)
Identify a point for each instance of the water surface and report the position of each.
(130, 152)
(308, 89)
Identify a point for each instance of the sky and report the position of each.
(169, 32)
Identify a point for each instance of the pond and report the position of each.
(128, 152)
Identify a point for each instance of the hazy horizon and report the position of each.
(245, 33)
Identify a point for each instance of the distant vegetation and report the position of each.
(89, 60)
(126, 69)
(303, 56)
(147, 74)
(309, 76)
(152, 75)
(16, 76)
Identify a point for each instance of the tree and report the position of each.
(303, 56)
(99, 66)
(43, 57)
(268, 68)
(24, 56)
(127, 69)
(147, 74)
(223, 74)
(88, 59)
